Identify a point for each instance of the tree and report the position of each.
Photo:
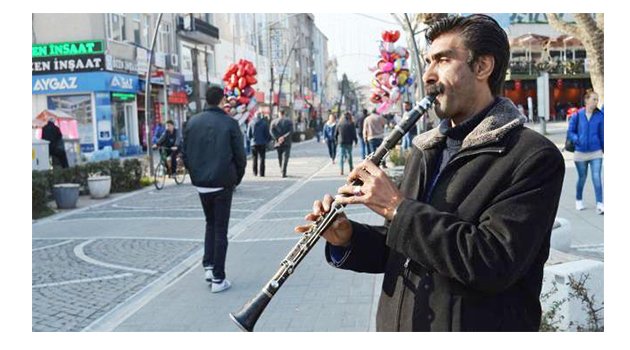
(589, 30)
(414, 24)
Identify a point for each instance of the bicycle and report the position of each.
(162, 169)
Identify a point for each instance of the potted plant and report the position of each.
(99, 185)
(66, 195)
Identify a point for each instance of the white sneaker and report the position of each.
(221, 286)
(579, 205)
(208, 274)
(600, 208)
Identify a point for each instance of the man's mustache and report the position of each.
(435, 88)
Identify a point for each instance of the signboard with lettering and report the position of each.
(116, 64)
(74, 48)
(68, 64)
(516, 18)
(83, 82)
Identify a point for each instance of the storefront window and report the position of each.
(78, 107)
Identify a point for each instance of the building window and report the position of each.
(116, 23)
(137, 29)
(163, 44)
(211, 63)
(209, 17)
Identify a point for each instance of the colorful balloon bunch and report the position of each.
(391, 74)
(239, 79)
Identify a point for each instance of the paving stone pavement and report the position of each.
(133, 263)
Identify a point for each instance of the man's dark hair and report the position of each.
(214, 95)
(170, 122)
(365, 112)
(482, 36)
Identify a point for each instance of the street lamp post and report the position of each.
(284, 68)
(147, 95)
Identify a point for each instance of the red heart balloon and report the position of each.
(242, 83)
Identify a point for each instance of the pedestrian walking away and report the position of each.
(467, 233)
(56, 147)
(362, 142)
(346, 136)
(586, 130)
(281, 130)
(214, 155)
(374, 130)
(329, 136)
(259, 136)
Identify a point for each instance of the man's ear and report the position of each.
(484, 67)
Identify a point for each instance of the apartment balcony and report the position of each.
(197, 30)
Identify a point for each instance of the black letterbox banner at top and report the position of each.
(68, 64)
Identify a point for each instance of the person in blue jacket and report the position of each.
(329, 135)
(586, 130)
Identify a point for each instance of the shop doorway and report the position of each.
(125, 128)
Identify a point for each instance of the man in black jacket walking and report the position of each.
(467, 233)
(281, 130)
(258, 134)
(215, 158)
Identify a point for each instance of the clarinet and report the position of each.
(246, 318)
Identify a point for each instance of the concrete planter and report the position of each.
(66, 195)
(99, 186)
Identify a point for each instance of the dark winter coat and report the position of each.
(587, 134)
(471, 257)
(213, 149)
(281, 127)
(258, 131)
(345, 133)
(52, 134)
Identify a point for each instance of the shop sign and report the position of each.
(121, 82)
(120, 64)
(83, 82)
(123, 97)
(55, 84)
(73, 48)
(68, 64)
(178, 97)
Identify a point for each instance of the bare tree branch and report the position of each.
(563, 26)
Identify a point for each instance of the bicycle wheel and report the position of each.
(180, 173)
(159, 176)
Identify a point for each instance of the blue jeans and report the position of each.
(332, 148)
(406, 141)
(363, 147)
(596, 174)
(216, 208)
(374, 143)
(346, 152)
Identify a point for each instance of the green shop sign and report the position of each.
(123, 96)
(68, 49)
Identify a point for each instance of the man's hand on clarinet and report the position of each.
(339, 232)
(378, 192)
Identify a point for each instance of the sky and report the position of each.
(354, 38)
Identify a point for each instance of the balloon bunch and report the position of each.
(391, 74)
(239, 79)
